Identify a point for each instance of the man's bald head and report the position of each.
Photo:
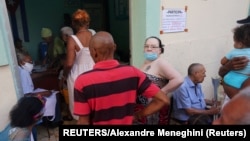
(102, 46)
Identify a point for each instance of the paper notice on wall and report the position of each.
(173, 20)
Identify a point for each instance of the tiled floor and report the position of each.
(42, 133)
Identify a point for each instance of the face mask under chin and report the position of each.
(150, 56)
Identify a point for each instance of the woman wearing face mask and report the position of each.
(161, 73)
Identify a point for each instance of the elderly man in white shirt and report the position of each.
(25, 68)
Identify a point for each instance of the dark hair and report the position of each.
(242, 34)
(26, 112)
(191, 68)
(159, 40)
(199, 119)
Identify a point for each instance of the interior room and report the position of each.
(27, 17)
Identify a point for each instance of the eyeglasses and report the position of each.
(151, 47)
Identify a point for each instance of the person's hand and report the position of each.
(214, 110)
(240, 62)
(138, 119)
(46, 93)
(236, 63)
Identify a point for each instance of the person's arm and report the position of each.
(211, 111)
(70, 57)
(236, 63)
(83, 120)
(168, 72)
(44, 93)
(224, 60)
(158, 101)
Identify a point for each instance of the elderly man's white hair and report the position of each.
(67, 30)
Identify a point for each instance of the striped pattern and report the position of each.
(109, 94)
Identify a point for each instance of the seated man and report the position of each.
(25, 68)
(189, 99)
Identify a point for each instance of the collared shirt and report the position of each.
(188, 95)
(108, 92)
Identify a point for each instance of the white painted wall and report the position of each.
(7, 94)
(209, 36)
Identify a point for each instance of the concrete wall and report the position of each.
(8, 84)
(209, 36)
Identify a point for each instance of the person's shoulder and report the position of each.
(162, 62)
(23, 72)
(184, 84)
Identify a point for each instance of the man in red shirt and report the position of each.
(107, 94)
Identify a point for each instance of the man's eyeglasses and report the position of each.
(151, 47)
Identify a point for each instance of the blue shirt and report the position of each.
(187, 97)
(240, 52)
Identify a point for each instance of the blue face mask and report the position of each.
(150, 56)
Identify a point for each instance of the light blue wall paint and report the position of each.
(3, 43)
(144, 22)
(153, 17)
(8, 50)
(8, 53)
(7, 47)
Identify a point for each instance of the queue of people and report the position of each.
(101, 91)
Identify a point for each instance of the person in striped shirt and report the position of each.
(106, 95)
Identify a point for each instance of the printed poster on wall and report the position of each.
(173, 20)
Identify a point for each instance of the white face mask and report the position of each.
(28, 67)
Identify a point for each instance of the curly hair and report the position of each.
(80, 18)
(242, 34)
(26, 112)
